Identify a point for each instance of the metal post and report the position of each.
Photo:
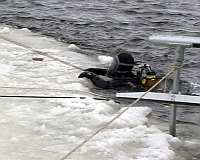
(179, 55)
(181, 42)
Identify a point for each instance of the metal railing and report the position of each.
(180, 44)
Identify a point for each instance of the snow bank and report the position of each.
(49, 128)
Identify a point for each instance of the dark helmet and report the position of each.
(121, 64)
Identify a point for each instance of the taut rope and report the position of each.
(103, 127)
(39, 52)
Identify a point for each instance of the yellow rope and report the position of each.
(103, 127)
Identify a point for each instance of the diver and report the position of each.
(120, 74)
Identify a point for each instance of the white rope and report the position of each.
(170, 67)
(53, 89)
(45, 54)
(103, 127)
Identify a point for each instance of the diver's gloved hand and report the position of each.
(87, 74)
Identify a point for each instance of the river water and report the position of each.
(107, 27)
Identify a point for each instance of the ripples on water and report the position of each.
(106, 27)
(103, 25)
(110, 26)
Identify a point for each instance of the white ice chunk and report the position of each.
(72, 46)
(14, 139)
(105, 59)
(5, 30)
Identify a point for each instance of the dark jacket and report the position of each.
(99, 78)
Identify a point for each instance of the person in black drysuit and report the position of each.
(118, 74)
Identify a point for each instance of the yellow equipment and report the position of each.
(150, 78)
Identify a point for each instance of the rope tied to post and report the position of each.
(170, 67)
(173, 68)
(113, 119)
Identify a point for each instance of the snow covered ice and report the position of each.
(47, 129)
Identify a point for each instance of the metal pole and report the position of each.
(180, 43)
(179, 55)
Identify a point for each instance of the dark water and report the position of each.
(109, 26)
